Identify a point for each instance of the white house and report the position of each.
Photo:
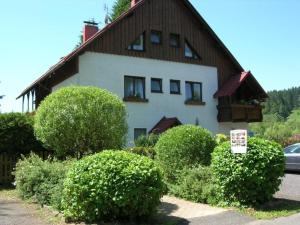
(167, 65)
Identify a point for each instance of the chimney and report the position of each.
(89, 30)
(134, 2)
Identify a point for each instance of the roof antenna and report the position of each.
(107, 18)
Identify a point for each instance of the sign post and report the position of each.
(238, 139)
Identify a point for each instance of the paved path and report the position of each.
(198, 214)
(13, 213)
(290, 187)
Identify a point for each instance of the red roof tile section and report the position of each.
(165, 124)
(232, 85)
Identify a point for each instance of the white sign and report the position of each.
(238, 141)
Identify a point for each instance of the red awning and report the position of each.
(231, 86)
(165, 124)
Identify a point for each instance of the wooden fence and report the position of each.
(8, 164)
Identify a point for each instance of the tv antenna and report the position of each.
(107, 19)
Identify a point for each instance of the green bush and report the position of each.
(81, 120)
(195, 184)
(144, 151)
(16, 134)
(112, 185)
(146, 140)
(221, 138)
(183, 146)
(41, 181)
(248, 179)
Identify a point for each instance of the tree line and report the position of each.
(281, 117)
(282, 102)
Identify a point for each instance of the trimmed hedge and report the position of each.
(81, 120)
(184, 146)
(17, 135)
(195, 184)
(248, 179)
(112, 185)
(41, 181)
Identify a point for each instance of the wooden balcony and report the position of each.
(240, 113)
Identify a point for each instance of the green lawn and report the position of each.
(8, 193)
(274, 209)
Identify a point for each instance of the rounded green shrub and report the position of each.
(251, 178)
(78, 120)
(183, 146)
(112, 185)
(221, 138)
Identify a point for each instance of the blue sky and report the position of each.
(264, 36)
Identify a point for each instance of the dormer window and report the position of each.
(138, 44)
(175, 40)
(156, 37)
(190, 52)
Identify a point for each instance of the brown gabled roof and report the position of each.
(231, 86)
(82, 48)
(165, 124)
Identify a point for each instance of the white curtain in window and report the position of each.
(188, 91)
(197, 92)
(129, 89)
(139, 88)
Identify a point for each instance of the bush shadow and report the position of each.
(279, 204)
(162, 217)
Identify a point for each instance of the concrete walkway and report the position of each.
(13, 213)
(188, 213)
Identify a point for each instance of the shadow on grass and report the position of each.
(278, 207)
(6, 187)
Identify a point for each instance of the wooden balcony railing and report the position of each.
(240, 113)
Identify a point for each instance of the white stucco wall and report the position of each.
(108, 71)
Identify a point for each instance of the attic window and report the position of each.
(175, 40)
(138, 44)
(156, 37)
(190, 52)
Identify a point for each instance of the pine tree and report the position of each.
(118, 8)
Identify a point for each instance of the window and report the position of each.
(189, 52)
(156, 37)
(175, 40)
(292, 149)
(193, 91)
(156, 85)
(134, 87)
(175, 87)
(139, 132)
(138, 44)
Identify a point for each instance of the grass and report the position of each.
(8, 193)
(274, 209)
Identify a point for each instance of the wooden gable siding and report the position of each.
(168, 16)
(43, 88)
